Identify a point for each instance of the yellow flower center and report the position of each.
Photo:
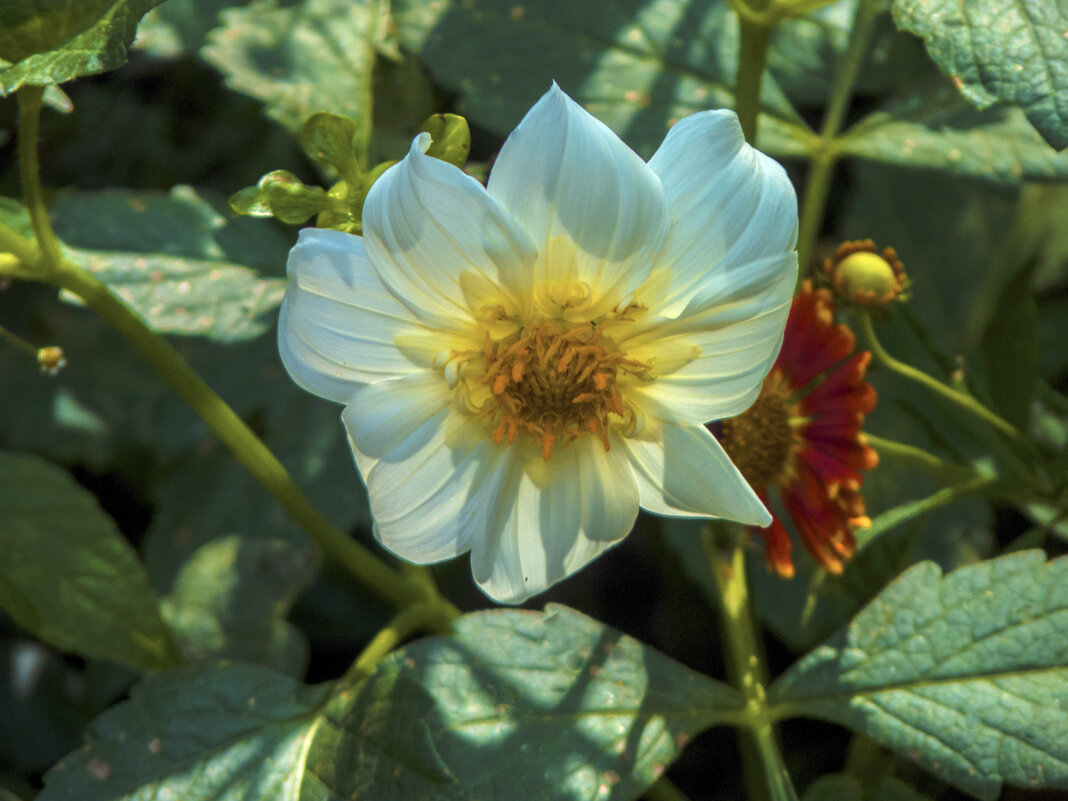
(760, 440)
(555, 381)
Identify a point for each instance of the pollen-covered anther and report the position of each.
(862, 276)
(555, 382)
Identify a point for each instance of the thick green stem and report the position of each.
(765, 774)
(238, 437)
(963, 402)
(432, 616)
(752, 58)
(813, 202)
(30, 99)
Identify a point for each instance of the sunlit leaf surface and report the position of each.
(51, 41)
(553, 703)
(299, 58)
(1013, 51)
(966, 673)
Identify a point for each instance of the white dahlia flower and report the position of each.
(525, 364)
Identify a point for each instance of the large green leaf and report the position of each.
(51, 41)
(553, 703)
(966, 673)
(68, 575)
(304, 57)
(166, 254)
(230, 732)
(931, 127)
(994, 50)
(181, 26)
(638, 65)
(231, 597)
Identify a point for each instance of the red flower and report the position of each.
(802, 436)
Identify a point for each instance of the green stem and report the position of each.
(813, 203)
(752, 58)
(963, 402)
(49, 265)
(947, 472)
(664, 790)
(24, 258)
(420, 616)
(17, 342)
(765, 774)
(825, 154)
(30, 100)
(238, 437)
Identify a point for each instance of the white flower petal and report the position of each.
(686, 473)
(380, 416)
(718, 352)
(433, 492)
(553, 519)
(435, 236)
(339, 325)
(730, 205)
(595, 210)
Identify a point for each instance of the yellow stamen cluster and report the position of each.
(555, 381)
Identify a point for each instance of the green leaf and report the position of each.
(330, 139)
(932, 127)
(281, 195)
(192, 297)
(637, 65)
(52, 41)
(180, 26)
(1014, 52)
(68, 575)
(231, 597)
(1009, 348)
(804, 54)
(136, 243)
(450, 138)
(966, 673)
(554, 703)
(203, 732)
(302, 58)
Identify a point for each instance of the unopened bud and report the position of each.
(861, 276)
(51, 360)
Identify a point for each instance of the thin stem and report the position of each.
(50, 266)
(238, 437)
(752, 58)
(30, 101)
(765, 774)
(813, 203)
(780, 786)
(948, 472)
(964, 402)
(17, 342)
(420, 616)
(825, 155)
